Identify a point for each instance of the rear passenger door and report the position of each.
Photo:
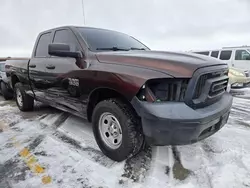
(37, 69)
(63, 83)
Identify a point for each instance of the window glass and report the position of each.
(225, 54)
(215, 54)
(66, 36)
(42, 46)
(2, 67)
(242, 55)
(203, 53)
(99, 39)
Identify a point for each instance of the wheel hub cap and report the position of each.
(110, 130)
(19, 97)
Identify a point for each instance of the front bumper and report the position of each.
(175, 123)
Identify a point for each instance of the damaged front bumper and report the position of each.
(175, 123)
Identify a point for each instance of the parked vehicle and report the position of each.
(129, 93)
(238, 57)
(5, 90)
(238, 78)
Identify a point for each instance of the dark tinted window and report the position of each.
(203, 53)
(242, 55)
(2, 67)
(67, 37)
(215, 54)
(101, 38)
(42, 47)
(225, 55)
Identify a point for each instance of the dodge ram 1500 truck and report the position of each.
(132, 95)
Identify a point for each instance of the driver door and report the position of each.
(60, 73)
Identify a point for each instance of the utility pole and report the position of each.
(83, 12)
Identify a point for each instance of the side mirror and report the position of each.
(62, 50)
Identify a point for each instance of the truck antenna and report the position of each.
(83, 13)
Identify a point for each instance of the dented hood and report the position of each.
(172, 63)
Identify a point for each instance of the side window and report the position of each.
(215, 54)
(1, 67)
(203, 53)
(67, 37)
(225, 54)
(242, 55)
(42, 46)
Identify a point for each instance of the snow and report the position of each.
(64, 145)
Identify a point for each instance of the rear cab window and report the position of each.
(42, 45)
(225, 54)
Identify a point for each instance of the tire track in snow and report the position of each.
(136, 167)
(193, 159)
(179, 172)
(90, 153)
(160, 173)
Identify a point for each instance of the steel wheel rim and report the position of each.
(19, 97)
(110, 130)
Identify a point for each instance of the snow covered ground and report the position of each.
(50, 148)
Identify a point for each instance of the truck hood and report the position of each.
(171, 63)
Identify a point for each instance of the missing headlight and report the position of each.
(164, 90)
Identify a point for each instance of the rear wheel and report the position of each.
(5, 92)
(116, 129)
(23, 101)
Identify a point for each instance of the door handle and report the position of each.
(50, 67)
(32, 66)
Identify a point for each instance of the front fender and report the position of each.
(126, 80)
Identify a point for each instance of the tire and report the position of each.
(132, 138)
(5, 92)
(27, 103)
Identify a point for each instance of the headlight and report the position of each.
(158, 90)
(236, 73)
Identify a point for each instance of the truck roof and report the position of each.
(74, 27)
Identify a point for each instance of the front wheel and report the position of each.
(116, 129)
(23, 101)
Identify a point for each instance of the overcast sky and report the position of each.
(174, 25)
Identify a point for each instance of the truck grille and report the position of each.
(217, 87)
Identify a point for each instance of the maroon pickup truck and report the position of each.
(131, 94)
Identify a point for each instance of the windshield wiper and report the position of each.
(133, 48)
(114, 49)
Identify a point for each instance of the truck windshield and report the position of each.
(106, 40)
